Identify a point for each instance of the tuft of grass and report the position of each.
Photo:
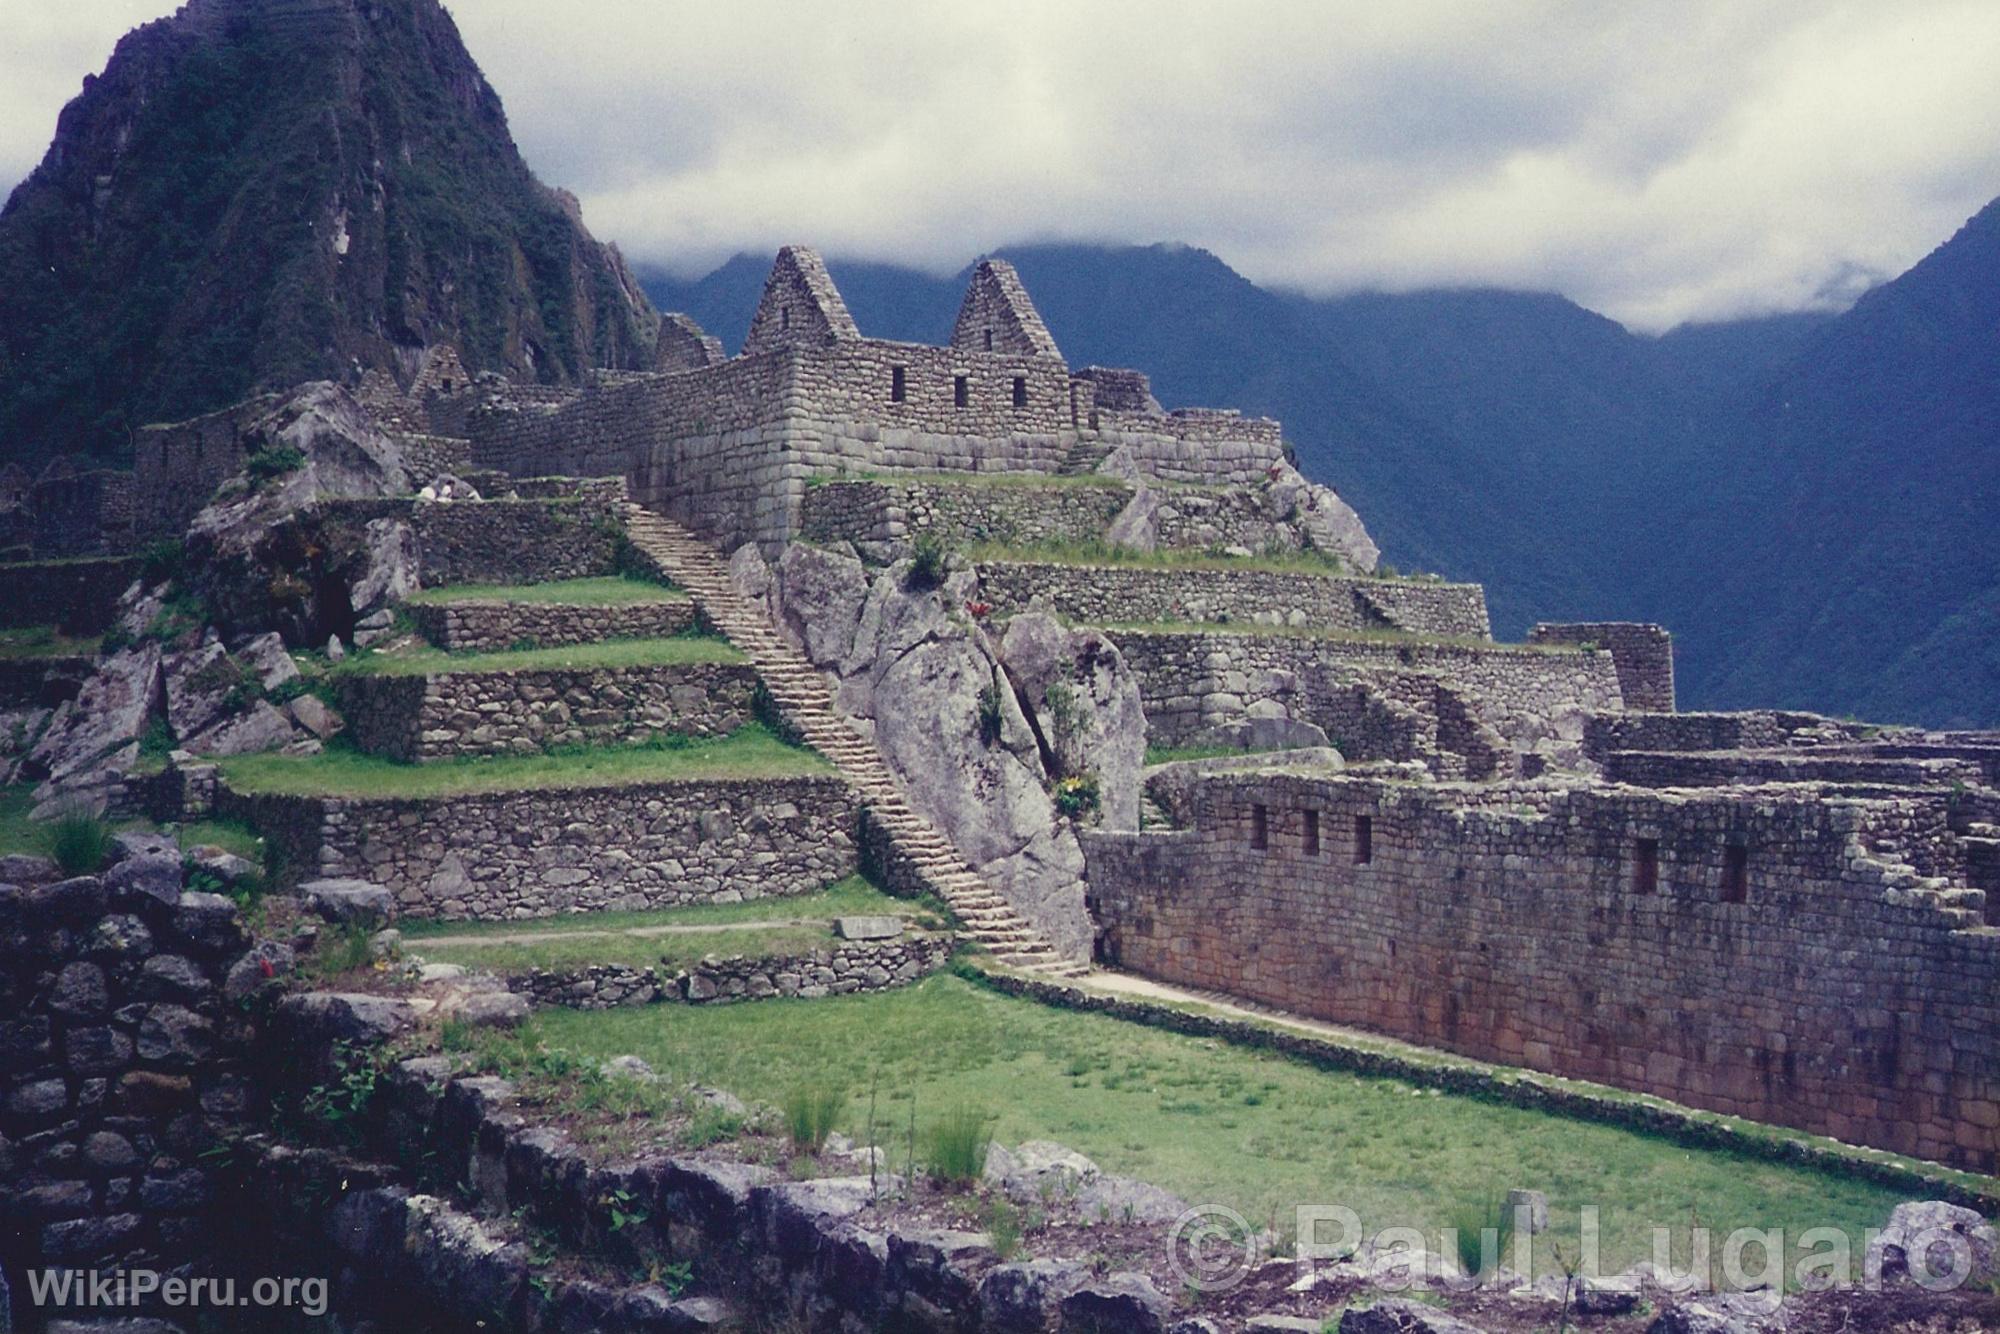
(930, 561)
(677, 651)
(79, 841)
(955, 1147)
(605, 591)
(1470, 1226)
(811, 1110)
(750, 752)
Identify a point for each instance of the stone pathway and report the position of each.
(801, 693)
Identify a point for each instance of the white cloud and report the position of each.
(1656, 159)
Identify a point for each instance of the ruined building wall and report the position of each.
(1840, 995)
(177, 466)
(1644, 655)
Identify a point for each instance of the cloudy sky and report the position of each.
(1658, 160)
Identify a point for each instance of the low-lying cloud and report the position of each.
(1658, 160)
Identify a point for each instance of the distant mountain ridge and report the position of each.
(1803, 499)
(259, 192)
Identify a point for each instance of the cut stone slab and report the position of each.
(313, 714)
(348, 902)
(868, 928)
(263, 727)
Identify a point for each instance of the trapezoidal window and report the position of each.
(1646, 866)
(989, 340)
(1364, 839)
(961, 391)
(784, 317)
(1260, 827)
(1312, 833)
(1735, 874)
(899, 384)
(1020, 391)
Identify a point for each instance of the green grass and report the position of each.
(1399, 638)
(229, 835)
(570, 950)
(750, 752)
(1101, 553)
(18, 833)
(680, 651)
(1176, 754)
(45, 641)
(852, 896)
(1218, 1123)
(606, 591)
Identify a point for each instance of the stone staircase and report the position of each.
(1083, 456)
(801, 694)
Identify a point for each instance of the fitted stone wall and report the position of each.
(82, 513)
(1753, 729)
(1843, 994)
(77, 595)
(570, 534)
(836, 970)
(484, 627)
(1644, 655)
(178, 465)
(538, 854)
(1192, 681)
(1100, 594)
(1724, 767)
(958, 513)
(121, 1056)
(452, 714)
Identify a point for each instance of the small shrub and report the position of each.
(1470, 1223)
(339, 1105)
(810, 1112)
(1002, 1222)
(80, 841)
(1065, 714)
(157, 741)
(161, 560)
(930, 561)
(1077, 795)
(955, 1149)
(269, 464)
(991, 716)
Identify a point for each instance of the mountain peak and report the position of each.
(259, 192)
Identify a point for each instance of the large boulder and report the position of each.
(914, 667)
(98, 732)
(202, 685)
(1085, 705)
(1137, 526)
(1322, 518)
(263, 726)
(389, 574)
(1932, 1238)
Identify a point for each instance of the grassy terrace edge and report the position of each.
(1528, 1089)
(608, 654)
(601, 591)
(752, 752)
(1390, 638)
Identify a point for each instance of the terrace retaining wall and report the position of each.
(505, 855)
(852, 966)
(487, 627)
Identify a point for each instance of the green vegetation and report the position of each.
(750, 752)
(1104, 553)
(1215, 1122)
(606, 591)
(576, 949)
(230, 835)
(930, 561)
(1077, 794)
(852, 896)
(45, 641)
(1177, 754)
(811, 1111)
(955, 1147)
(679, 651)
(79, 841)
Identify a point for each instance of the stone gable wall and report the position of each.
(1843, 996)
(485, 627)
(1191, 681)
(492, 856)
(448, 715)
(1100, 594)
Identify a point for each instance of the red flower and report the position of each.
(269, 969)
(978, 609)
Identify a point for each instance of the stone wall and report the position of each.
(178, 465)
(570, 535)
(1101, 594)
(1644, 655)
(892, 513)
(487, 627)
(1842, 994)
(538, 854)
(86, 513)
(850, 966)
(1724, 767)
(456, 713)
(79, 596)
(120, 1054)
(1192, 681)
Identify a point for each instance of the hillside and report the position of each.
(259, 192)
(1802, 498)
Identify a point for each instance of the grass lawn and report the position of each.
(606, 591)
(853, 896)
(679, 651)
(18, 833)
(45, 641)
(1395, 637)
(1217, 1123)
(573, 950)
(751, 751)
